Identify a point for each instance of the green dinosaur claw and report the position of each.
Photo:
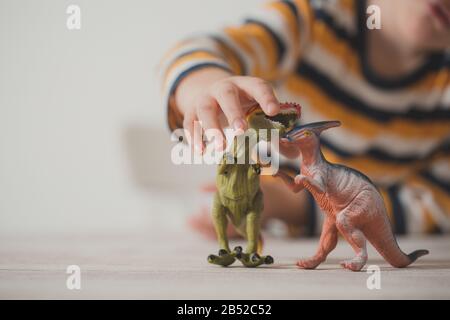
(253, 260)
(268, 260)
(224, 258)
(255, 257)
(223, 252)
(238, 249)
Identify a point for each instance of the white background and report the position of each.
(83, 139)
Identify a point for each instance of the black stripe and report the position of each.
(280, 46)
(435, 61)
(338, 31)
(311, 216)
(354, 104)
(381, 155)
(290, 167)
(397, 210)
(182, 75)
(240, 60)
(294, 10)
(444, 185)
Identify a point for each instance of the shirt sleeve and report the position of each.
(267, 44)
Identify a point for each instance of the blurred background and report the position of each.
(84, 144)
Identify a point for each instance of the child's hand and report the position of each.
(215, 98)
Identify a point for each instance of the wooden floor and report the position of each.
(174, 266)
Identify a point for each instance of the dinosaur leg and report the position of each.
(357, 240)
(219, 214)
(328, 241)
(251, 258)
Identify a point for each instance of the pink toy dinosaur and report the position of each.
(352, 204)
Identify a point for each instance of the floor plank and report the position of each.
(170, 266)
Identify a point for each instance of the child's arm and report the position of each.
(214, 78)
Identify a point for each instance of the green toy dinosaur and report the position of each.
(239, 198)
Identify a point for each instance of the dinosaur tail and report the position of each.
(380, 235)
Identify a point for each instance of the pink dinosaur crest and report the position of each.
(316, 127)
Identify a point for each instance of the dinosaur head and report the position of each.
(284, 121)
(310, 132)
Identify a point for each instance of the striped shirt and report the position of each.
(397, 132)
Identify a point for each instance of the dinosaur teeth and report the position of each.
(291, 107)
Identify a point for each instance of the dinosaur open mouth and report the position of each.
(285, 120)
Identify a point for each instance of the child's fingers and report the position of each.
(207, 113)
(194, 129)
(188, 125)
(261, 91)
(227, 95)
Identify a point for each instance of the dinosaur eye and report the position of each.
(307, 133)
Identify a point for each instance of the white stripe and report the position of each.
(174, 73)
(416, 199)
(441, 169)
(408, 196)
(352, 142)
(342, 17)
(247, 61)
(275, 21)
(195, 44)
(439, 215)
(261, 54)
(387, 100)
(446, 99)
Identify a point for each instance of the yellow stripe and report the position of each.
(306, 12)
(289, 17)
(239, 36)
(362, 124)
(232, 59)
(373, 168)
(171, 52)
(348, 5)
(325, 38)
(439, 80)
(430, 222)
(267, 42)
(442, 198)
